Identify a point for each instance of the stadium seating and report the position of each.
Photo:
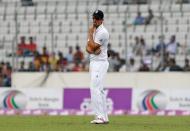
(66, 23)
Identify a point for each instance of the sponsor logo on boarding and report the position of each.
(86, 104)
(152, 100)
(12, 99)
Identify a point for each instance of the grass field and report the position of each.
(81, 123)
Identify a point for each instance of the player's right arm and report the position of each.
(92, 47)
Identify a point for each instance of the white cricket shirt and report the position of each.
(101, 36)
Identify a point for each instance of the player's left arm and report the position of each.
(93, 50)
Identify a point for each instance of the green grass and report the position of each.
(81, 123)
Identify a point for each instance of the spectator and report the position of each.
(174, 66)
(142, 50)
(62, 62)
(78, 55)
(131, 66)
(140, 46)
(171, 47)
(31, 46)
(186, 66)
(110, 51)
(69, 56)
(136, 45)
(115, 62)
(139, 20)
(5, 74)
(37, 61)
(149, 18)
(45, 66)
(44, 56)
(22, 47)
(6, 81)
(53, 62)
(160, 47)
(112, 63)
(119, 62)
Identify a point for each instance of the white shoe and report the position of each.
(99, 121)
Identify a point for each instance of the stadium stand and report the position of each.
(63, 23)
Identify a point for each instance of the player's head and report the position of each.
(98, 17)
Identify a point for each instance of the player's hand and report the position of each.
(97, 51)
(89, 49)
(91, 30)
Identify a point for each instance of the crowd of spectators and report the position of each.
(164, 51)
(55, 61)
(26, 49)
(75, 61)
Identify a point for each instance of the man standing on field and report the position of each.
(98, 39)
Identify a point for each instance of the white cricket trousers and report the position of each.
(98, 70)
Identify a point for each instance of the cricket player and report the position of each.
(98, 38)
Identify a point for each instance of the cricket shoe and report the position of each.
(99, 121)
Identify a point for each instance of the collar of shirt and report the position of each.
(99, 27)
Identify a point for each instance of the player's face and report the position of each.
(97, 22)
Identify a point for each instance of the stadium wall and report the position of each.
(136, 92)
(113, 80)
